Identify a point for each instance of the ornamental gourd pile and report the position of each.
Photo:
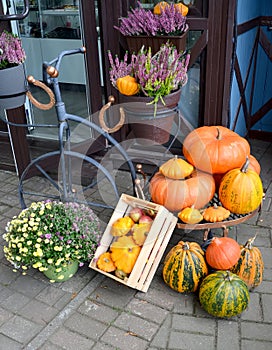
(129, 234)
(222, 275)
(217, 161)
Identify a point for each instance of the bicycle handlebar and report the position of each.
(52, 68)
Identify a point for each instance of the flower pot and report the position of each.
(12, 87)
(135, 43)
(149, 128)
(67, 271)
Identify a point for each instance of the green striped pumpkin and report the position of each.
(184, 267)
(250, 265)
(223, 294)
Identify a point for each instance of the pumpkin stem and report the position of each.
(218, 137)
(250, 242)
(245, 166)
(228, 276)
(186, 246)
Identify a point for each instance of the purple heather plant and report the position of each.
(11, 52)
(157, 75)
(144, 22)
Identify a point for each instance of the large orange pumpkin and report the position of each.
(159, 7)
(197, 189)
(253, 165)
(215, 149)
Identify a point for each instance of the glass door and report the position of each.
(51, 27)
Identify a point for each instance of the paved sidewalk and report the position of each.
(93, 312)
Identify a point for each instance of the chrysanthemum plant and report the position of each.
(157, 75)
(51, 234)
(11, 51)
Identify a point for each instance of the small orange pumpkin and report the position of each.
(183, 9)
(215, 213)
(127, 85)
(159, 7)
(222, 253)
(105, 262)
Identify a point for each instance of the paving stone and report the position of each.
(267, 307)
(66, 339)
(123, 340)
(4, 315)
(257, 331)
(193, 324)
(38, 312)
(20, 329)
(147, 310)
(28, 286)
(255, 345)
(113, 294)
(7, 276)
(185, 341)
(50, 346)
(142, 328)
(98, 311)
(85, 326)
(254, 310)
(9, 344)
(228, 335)
(160, 340)
(50, 295)
(102, 346)
(15, 302)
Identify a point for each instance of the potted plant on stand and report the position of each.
(149, 87)
(167, 22)
(53, 237)
(12, 56)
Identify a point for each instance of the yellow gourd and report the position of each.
(190, 215)
(124, 253)
(176, 168)
(122, 226)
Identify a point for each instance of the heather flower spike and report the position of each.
(140, 21)
(11, 52)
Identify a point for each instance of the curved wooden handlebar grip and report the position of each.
(102, 115)
(49, 92)
(52, 71)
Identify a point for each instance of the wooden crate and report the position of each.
(154, 245)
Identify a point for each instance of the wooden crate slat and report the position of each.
(155, 230)
(153, 253)
(145, 282)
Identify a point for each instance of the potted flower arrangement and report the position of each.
(53, 237)
(150, 86)
(12, 55)
(167, 22)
